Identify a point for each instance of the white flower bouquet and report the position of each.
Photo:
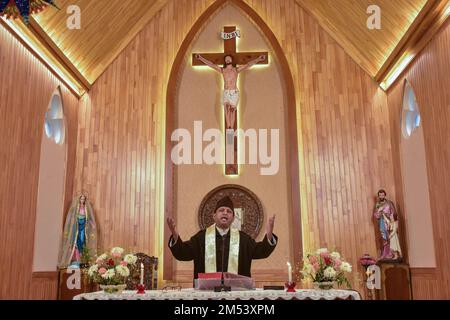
(113, 268)
(323, 267)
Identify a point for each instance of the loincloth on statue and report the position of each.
(231, 97)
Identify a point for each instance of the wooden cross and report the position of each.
(239, 58)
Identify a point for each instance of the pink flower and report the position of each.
(337, 263)
(316, 266)
(312, 259)
(101, 270)
(123, 263)
(325, 255)
(116, 254)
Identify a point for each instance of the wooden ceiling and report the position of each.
(107, 26)
(346, 22)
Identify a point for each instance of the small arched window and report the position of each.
(54, 119)
(417, 208)
(51, 187)
(410, 112)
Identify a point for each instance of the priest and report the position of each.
(220, 248)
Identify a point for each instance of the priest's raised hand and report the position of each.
(269, 228)
(173, 228)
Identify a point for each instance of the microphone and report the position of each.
(222, 287)
(223, 258)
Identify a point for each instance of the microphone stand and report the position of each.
(222, 286)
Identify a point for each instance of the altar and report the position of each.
(192, 294)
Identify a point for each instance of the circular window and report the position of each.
(54, 119)
(410, 112)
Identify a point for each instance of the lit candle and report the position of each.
(289, 272)
(142, 273)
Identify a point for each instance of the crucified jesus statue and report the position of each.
(230, 75)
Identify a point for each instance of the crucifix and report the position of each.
(238, 61)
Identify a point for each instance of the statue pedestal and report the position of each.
(395, 281)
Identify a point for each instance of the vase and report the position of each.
(324, 285)
(113, 288)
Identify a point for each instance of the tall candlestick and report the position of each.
(289, 272)
(142, 273)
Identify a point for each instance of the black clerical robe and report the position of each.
(194, 249)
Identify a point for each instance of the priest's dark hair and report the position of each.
(382, 191)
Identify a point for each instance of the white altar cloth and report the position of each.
(192, 294)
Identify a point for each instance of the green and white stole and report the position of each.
(210, 250)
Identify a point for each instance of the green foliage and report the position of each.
(85, 256)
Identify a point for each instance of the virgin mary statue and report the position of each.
(79, 241)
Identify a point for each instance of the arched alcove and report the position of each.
(289, 110)
(417, 209)
(50, 199)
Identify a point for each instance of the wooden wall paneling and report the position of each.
(428, 76)
(27, 87)
(170, 197)
(330, 87)
(337, 103)
(344, 141)
(425, 284)
(344, 146)
(122, 134)
(44, 286)
(31, 39)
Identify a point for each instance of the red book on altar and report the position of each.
(211, 275)
(207, 281)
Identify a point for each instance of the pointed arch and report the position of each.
(51, 186)
(417, 221)
(292, 156)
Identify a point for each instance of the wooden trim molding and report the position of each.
(403, 41)
(429, 21)
(428, 273)
(292, 157)
(47, 275)
(47, 56)
(48, 43)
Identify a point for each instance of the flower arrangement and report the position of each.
(112, 268)
(326, 268)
